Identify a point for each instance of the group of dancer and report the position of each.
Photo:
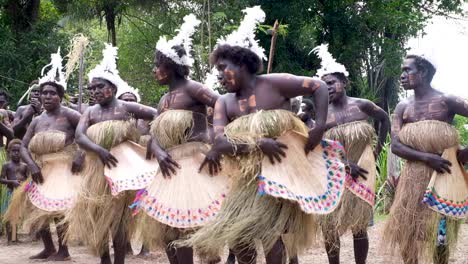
(255, 172)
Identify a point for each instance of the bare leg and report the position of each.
(184, 255)
(62, 253)
(294, 260)
(120, 245)
(49, 248)
(361, 247)
(245, 254)
(171, 254)
(144, 252)
(8, 232)
(231, 258)
(442, 255)
(277, 253)
(105, 258)
(332, 246)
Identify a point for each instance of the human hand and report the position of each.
(37, 174)
(107, 158)
(437, 163)
(213, 161)
(272, 149)
(355, 171)
(78, 161)
(315, 136)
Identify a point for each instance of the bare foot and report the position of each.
(44, 254)
(58, 257)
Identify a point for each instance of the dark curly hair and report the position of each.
(423, 65)
(179, 70)
(14, 142)
(340, 76)
(239, 56)
(60, 89)
(4, 93)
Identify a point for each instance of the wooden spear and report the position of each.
(273, 46)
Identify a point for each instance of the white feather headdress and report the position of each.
(244, 36)
(125, 88)
(328, 63)
(183, 38)
(211, 79)
(107, 69)
(55, 74)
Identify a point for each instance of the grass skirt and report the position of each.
(97, 213)
(171, 208)
(5, 198)
(354, 211)
(247, 215)
(413, 227)
(35, 205)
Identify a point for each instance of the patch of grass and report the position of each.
(380, 217)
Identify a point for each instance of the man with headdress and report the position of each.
(49, 151)
(107, 131)
(247, 121)
(180, 132)
(347, 123)
(432, 176)
(24, 114)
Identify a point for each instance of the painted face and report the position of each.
(14, 152)
(128, 97)
(161, 72)
(3, 102)
(410, 76)
(336, 87)
(229, 75)
(102, 91)
(50, 98)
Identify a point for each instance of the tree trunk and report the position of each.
(110, 23)
(23, 14)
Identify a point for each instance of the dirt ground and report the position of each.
(18, 254)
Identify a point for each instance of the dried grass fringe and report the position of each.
(412, 227)
(172, 128)
(21, 210)
(352, 213)
(245, 216)
(97, 213)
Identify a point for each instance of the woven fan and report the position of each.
(364, 189)
(189, 198)
(133, 171)
(315, 181)
(447, 193)
(60, 187)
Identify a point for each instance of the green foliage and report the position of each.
(366, 36)
(25, 52)
(460, 122)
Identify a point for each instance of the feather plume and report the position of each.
(107, 69)
(55, 73)
(183, 38)
(244, 36)
(329, 64)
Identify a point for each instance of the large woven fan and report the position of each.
(189, 198)
(60, 187)
(133, 171)
(315, 181)
(365, 189)
(447, 193)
